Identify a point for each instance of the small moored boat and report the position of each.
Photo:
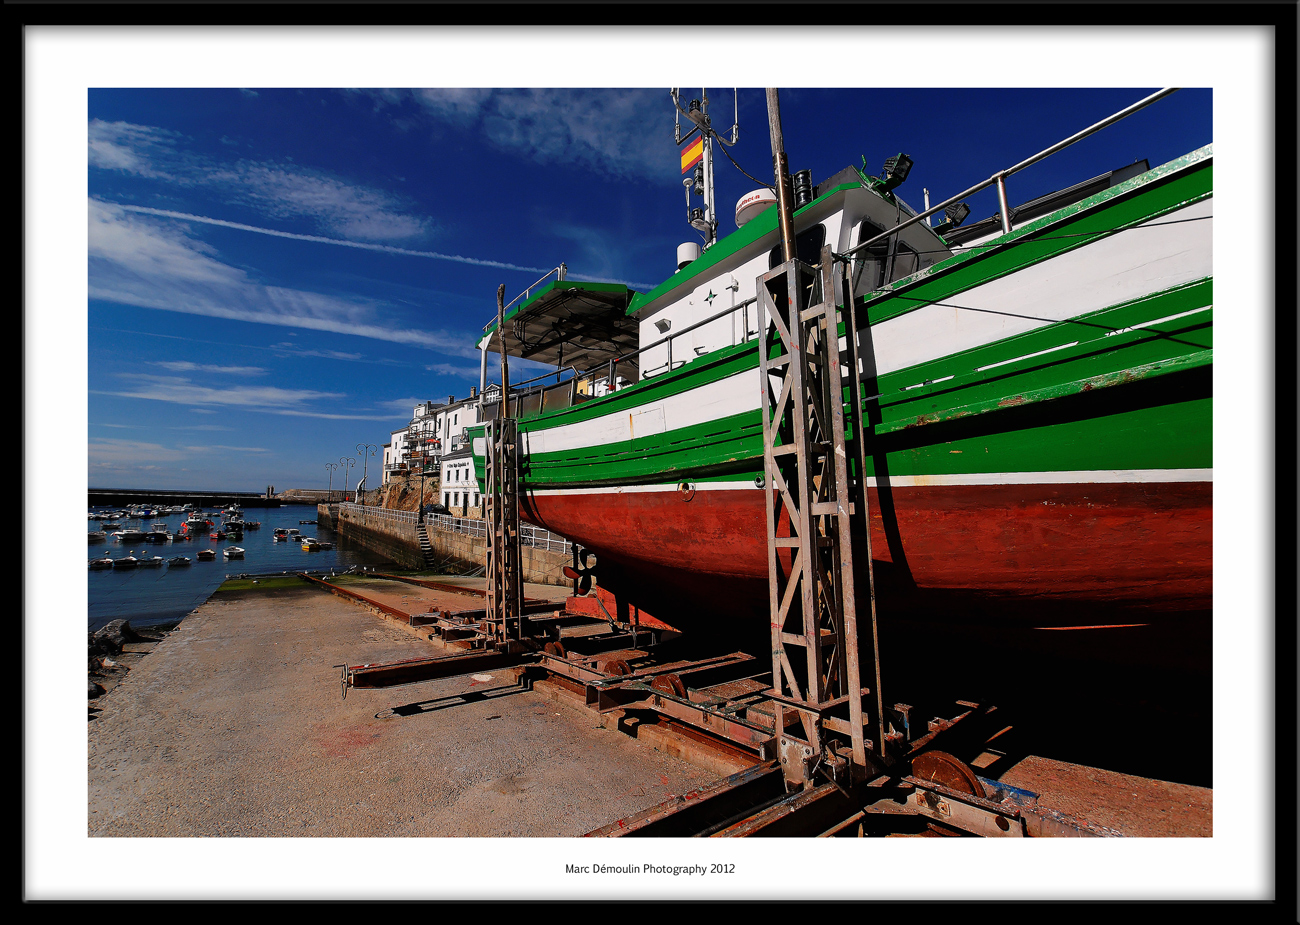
(127, 561)
(152, 560)
(178, 560)
(233, 552)
(206, 555)
(101, 563)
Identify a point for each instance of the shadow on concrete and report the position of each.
(451, 700)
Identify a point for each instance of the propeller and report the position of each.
(584, 565)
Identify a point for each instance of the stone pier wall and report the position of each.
(400, 542)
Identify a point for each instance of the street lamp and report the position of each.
(420, 502)
(331, 467)
(361, 451)
(345, 463)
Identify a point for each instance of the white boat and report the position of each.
(152, 560)
(233, 552)
(310, 544)
(101, 563)
(178, 560)
(206, 555)
(96, 536)
(127, 561)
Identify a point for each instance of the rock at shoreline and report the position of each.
(93, 690)
(109, 638)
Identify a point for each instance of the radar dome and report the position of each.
(752, 204)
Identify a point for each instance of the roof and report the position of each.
(570, 323)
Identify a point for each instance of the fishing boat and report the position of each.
(233, 552)
(96, 536)
(127, 561)
(310, 544)
(152, 561)
(101, 563)
(1037, 397)
(178, 561)
(206, 555)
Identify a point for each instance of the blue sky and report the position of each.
(278, 275)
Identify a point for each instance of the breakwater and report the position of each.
(112, 497)
(396, 535)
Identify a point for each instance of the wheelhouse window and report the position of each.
(869, 267)
(906, 262)
(807, 247)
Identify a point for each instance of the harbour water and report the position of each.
(164, 594)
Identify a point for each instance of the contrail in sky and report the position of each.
(384, 248)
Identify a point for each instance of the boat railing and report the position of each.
(610, 368)
(999, 178)
(559, 273)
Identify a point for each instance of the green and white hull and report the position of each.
(1041, 431)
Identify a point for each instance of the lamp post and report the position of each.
(345, 463)
(331, 467)
(365, 457)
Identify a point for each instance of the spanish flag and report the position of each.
(693, 153)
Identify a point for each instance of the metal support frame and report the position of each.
(812, 595)
(504, 573)
(505, 588)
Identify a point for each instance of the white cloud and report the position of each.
(151, 264)
(134, 149)
(451, 369)
(619, 132)
(183, 366)
(222, 446)
(271, 189)
(184, 391)
(106, 452)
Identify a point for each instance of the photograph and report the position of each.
(539, 454)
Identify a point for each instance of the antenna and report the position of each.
(699, 155)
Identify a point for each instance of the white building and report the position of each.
(460, 491)
(436, 429)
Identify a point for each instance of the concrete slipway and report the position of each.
(233, 727)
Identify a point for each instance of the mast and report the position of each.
(703, 219)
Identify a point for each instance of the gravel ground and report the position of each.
(234, 726)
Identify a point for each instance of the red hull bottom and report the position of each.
(1077, 547)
